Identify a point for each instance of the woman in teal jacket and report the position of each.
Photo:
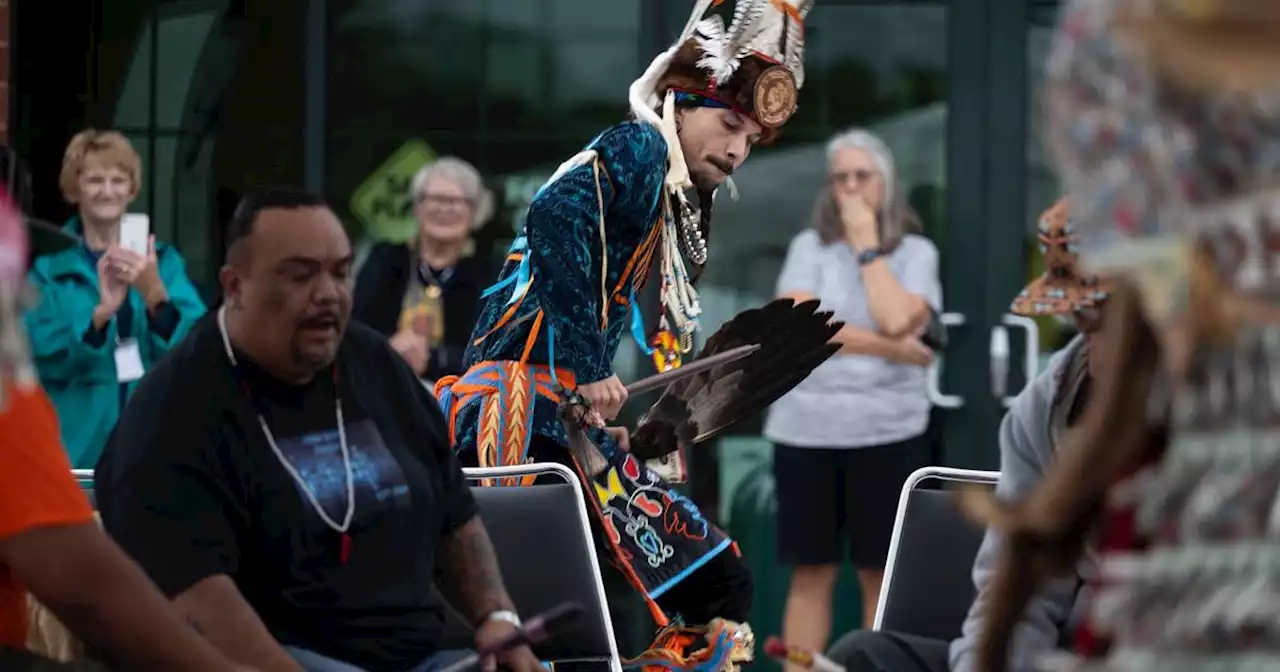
(104, 314)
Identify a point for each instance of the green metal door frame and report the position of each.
(983, 254)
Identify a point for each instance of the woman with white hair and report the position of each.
(847, 437)
(424, 295)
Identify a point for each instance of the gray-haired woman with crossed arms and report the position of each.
(847, 437)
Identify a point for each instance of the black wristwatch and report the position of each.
(867, 256)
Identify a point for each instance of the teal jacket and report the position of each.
(79, 376)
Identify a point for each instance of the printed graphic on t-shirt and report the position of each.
(374, 470)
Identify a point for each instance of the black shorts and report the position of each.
(828, 496)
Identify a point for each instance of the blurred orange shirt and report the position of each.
(36, 490)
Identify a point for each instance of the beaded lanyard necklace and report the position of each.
(345, 525)
(432, 281)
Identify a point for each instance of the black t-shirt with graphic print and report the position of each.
(191, 488)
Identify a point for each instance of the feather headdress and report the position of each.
(710, 58)
(753, 66)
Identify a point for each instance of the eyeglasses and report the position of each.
(444, 201)
(858, 177)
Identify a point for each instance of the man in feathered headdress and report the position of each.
(567, 294)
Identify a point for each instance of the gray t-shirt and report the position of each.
(853, 401)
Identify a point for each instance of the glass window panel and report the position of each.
(522, 15)
(515, 90)
(591, 81)
(182, 39)
(865, 62)
(523, 85)
(404, 66)
(267, 89)
(591, 17)
(133, 107)
(198, 50)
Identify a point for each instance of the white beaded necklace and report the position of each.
(340, 528)
(679, 298)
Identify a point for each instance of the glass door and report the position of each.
(1019, 348)
(992, 354)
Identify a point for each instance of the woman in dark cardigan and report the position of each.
(424, 295)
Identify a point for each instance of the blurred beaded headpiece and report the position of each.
(16, 368)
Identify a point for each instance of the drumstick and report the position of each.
(774, 648)
(535, 631)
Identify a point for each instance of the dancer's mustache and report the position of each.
(724, 166)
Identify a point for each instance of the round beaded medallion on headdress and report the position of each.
(775, 96)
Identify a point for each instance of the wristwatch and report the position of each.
(504, 615)
(867, 256)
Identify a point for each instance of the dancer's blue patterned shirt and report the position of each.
(564, 261)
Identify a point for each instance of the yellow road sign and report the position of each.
(383, 202)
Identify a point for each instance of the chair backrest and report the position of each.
(547, 554)
(928, 585)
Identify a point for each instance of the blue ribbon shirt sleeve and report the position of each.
(564, 238)
(563, 229)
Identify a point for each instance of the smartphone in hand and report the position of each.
(935, 333)
(135, 232)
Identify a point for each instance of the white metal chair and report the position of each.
(85, 476)
(928, 584)
(546, 549)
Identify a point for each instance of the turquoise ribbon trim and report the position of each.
(693, 567)
(637, 326)
(551, 351)
(522, 278)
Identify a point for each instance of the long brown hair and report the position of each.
(895, 218)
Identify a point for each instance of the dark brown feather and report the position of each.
(794, 338)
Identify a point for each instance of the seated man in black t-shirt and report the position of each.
(286, 479)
